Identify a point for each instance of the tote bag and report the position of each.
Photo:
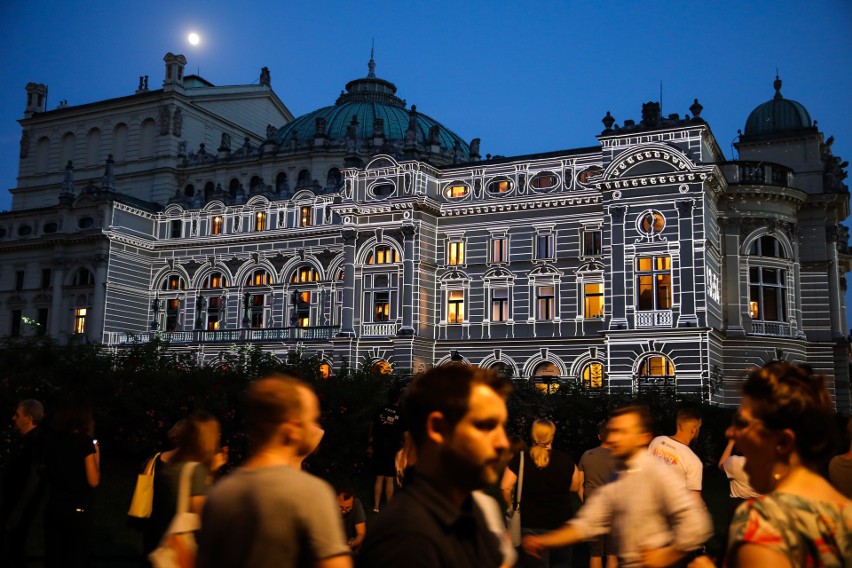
(177, 549)
(143, 495)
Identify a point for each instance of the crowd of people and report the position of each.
(444, 444)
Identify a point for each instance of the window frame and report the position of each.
(655, 274)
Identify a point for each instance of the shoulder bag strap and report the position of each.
(520, 483)
(183, 488)
(152, 463)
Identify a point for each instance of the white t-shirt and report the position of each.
(680, 457)
(734, 468)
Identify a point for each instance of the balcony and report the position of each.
(657, 318)
(761, 173)
(224, 335)
(384, 329)
(771, 328)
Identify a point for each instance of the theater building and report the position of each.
(370, 235)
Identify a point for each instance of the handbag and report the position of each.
(514, 518)
(143, 495)
(177, 548)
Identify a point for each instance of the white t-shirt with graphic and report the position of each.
(680, 457)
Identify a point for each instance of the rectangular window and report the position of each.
(42, 321)
(592, 242)
(256, 318)
(455, 252)
(16, 323)
(544, 302)
(45, 278)
(216, 225)
(80, 320)
(544, 246)
(306, 215)
(214, 312)
(767, 296)
(499, 249)
(260, 221)
(172, 314)
(499, 304)
(654, 283)
(381, 306)
(593, 300)
(455, 306)
(177, 229)
(19, 280)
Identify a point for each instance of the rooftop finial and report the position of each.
(777, 85)
(372, 64)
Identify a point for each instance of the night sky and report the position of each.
(524, 77)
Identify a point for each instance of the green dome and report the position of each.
(778, 115)
(366, 100)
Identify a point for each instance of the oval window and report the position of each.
(382, 190)
(85, 222)
(544, 181)
(590, 172)
(51, 228)
(501, 185)
(24, 230)
(456, 191)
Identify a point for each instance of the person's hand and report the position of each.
(532, 545)
(660, 557)
(219, 459)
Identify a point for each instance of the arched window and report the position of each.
(173, 282)
(502, 369)
(215, 280)
(381, 368)
(93, 147)
(546, 377)
(305, 273)
(304, 179)
(592, 375)
(656, 370)
(189, 190)
(324, 370)
(258, 277)
(281, 184)
(67, 148)
(42, 155)
(147, 132)
(383, 254)
(234, 188)
(334, 181)
(767, 279)
(83, 277)
(767, 246)
(119, 142)
(254, 184)
(209, 190)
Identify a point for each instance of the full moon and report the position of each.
(193, 38)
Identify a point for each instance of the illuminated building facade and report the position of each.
(368, 234)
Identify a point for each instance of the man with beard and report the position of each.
(647, 509)
(456, 415)
(268, 512)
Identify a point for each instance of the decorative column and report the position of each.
(618, 319)
(687, 318)
(347, 327)
(408, 234)
(733, 291)
(95, 332)
(56, 330)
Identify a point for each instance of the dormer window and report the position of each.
(502, 185)
(383, 189)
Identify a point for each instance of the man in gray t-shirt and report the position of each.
(270, 513)
(597, 468)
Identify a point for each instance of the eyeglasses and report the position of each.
(740, 422)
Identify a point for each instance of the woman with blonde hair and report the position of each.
(549, 477)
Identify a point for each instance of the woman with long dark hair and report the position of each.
(72, 471)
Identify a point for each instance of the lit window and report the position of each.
(499, 249)
(174, 282)
(80, 320)
(499, 304)
(381, 306)
(214, 312)
(592, 375)
(455, 253)
(593, 300)
(215, 280)
(324, 370)
(500, 186)
(172, 314)
(256, 311)
(455, 306)
(306, 216)
(592, 240)
(651, 223)
(654, 283)
(381, 368)
(216, 225)
(305, 274)
(544, 296)
(383, 254)
(544, 246)
(260, 221)
(767, 294)
(259, 277)
(544, 180)
(455, 191)
(546, 377)
(656, 367)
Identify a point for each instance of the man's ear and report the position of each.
(287, 433)
(436, 427)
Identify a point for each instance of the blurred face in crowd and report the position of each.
(475, 449)
(23, 421)
(757, 444)
(345, 503)
(625, 435)
(308, 431)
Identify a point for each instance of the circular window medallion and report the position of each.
(651, 223)
(24, 230)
